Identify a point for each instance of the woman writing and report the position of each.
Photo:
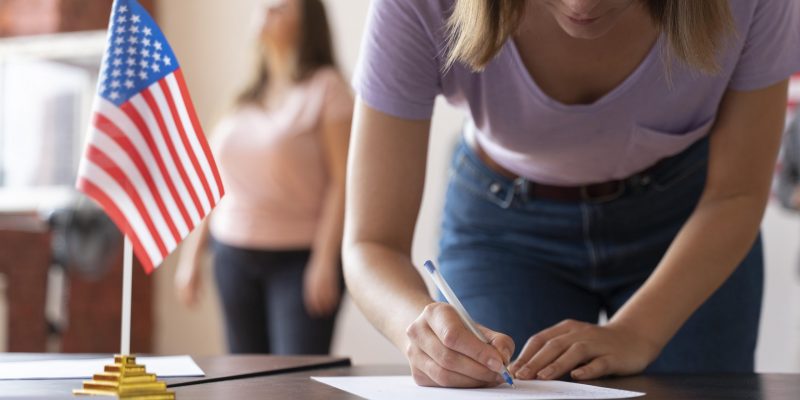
(617, 158)
(282, 154)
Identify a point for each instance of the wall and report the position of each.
(210, 38)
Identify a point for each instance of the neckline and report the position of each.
(614, 93)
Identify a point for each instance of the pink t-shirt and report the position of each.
(273, 166)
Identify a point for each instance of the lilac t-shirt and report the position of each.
(644, 119)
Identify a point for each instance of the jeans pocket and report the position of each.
(682, 175)
(478, 181)
(681, 150)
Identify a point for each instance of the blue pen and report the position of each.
(448, 293)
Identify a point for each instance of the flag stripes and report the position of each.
(185, 105)
(159, 150)
(125, 162)
(150, 168)
(152, 114)
(135, 153)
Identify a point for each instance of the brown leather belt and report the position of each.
(597, 192)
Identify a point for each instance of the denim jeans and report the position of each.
(521, 264)
(262, 299)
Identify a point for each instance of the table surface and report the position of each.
(267, 378)
(672, 387)
(216, 368)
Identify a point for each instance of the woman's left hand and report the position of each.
(321, 288)
(586, 351)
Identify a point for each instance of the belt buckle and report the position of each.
(586, 196)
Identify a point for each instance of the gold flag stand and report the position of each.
(126, 380)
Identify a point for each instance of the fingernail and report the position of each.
(578, 373)
(545, 373)
(524, 373)
(495, 365)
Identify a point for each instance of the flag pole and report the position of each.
(127, 278)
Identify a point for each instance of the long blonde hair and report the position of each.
(695, 29)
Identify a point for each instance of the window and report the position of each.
(47, 84)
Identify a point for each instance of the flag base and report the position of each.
(126, 380)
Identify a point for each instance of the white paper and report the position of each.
(404, 388)
(164, 367)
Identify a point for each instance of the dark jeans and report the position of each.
(523, 264)
(262, 299)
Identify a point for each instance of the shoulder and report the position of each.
(329, 81)
(327, 76)
(769, 13)
(429, 15)
(429, 10)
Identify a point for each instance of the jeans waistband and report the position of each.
(665, 173)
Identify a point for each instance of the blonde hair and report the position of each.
(695, 29)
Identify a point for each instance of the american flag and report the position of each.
(147, 162)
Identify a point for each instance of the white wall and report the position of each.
(210, 38)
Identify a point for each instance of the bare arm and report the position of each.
(718, 235)
(322, 288)
(187, 274)
(723, 227)
(385, 182)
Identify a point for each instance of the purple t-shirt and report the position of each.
(644, 119)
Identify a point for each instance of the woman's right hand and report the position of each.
(188, 279)
(442, 351)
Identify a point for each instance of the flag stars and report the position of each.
(136, 56)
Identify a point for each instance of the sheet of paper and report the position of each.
(164, 367)
(403, 387)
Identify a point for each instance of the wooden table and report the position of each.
(260, 377)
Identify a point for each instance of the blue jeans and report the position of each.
(522, 264)
(261, 292)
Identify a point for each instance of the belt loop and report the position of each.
(521, 187)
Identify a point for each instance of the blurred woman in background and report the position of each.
(276, 235)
